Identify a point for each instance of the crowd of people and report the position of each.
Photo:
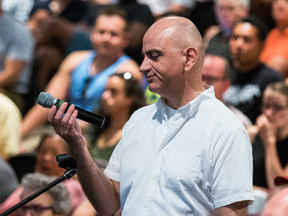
(194, 94)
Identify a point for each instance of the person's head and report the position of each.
(228, 12)
(110, 34)
(275, 104)
(122, 94)
(46, 162)
(277, 204)
(216, 72)
(55, 201)
(247, 42)
(173, 55)
(280, 12)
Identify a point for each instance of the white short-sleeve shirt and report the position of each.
(202, 161)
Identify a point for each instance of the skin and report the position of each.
(228, 13)
(110, 39)
(272, 127)
(245, 47)
(277, 205)
(214, 66)
(173, 70)
(44, 200)
(46, 162)
(115, 104)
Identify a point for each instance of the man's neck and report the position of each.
(248, 67)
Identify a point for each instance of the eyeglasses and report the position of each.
(210, 80)
(274, 107)
(35, 210)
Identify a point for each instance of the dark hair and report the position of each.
(132, 89)
(261, 27)
(113, 10)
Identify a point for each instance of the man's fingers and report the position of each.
(52, 114)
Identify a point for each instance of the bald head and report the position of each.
(178, 31)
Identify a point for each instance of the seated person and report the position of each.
(54, 202)
(82, 76)
(10, 123)
(8, 180)
(122, 96)
(46, 163)
(275, 53)
(270, 136)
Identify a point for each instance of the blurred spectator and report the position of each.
(16, 51)
(216, 72)
(160, 7)
(54, 202)
(72, 10)
(18, 9)
(262, 9)
(270, 136)
(228, 13)
(277, 204)
(46, 163)
(10, 123)
(8, 180)
(122, 96)
(82, 76)
(275, 53)
(249, 76)
(139, 17)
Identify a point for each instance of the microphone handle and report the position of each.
(83, 114)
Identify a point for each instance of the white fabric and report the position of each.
(162, 6)
(19, 9)
(202, 162)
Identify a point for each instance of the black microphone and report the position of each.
(47, 100)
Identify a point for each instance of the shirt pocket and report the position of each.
(180, 171)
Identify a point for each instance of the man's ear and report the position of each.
(191, 56)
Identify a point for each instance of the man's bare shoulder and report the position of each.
(72, 61)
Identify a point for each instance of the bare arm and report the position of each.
(234, 209)
(11, 72)
(58, 87)
(102, 192)
(273, 166)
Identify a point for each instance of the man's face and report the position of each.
(245, 45)
(108, 36)
(40, 206)
(162, 65)
(229, 12)
(213, 74)
(280, 11)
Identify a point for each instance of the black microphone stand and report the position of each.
(64, 161)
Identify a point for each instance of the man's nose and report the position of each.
(145, 66)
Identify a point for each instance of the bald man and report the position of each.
(187, 154)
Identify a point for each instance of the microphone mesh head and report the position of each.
(46, 100)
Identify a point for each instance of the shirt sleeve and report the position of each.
(232, 169)
(113, 168)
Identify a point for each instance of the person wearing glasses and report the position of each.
(216, 73)
(249, 77)
(270, 137)
(122, 96)
(55, 201)
(83, 75)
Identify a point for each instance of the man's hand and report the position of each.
(67, 127)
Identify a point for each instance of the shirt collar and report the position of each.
(189, 109)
